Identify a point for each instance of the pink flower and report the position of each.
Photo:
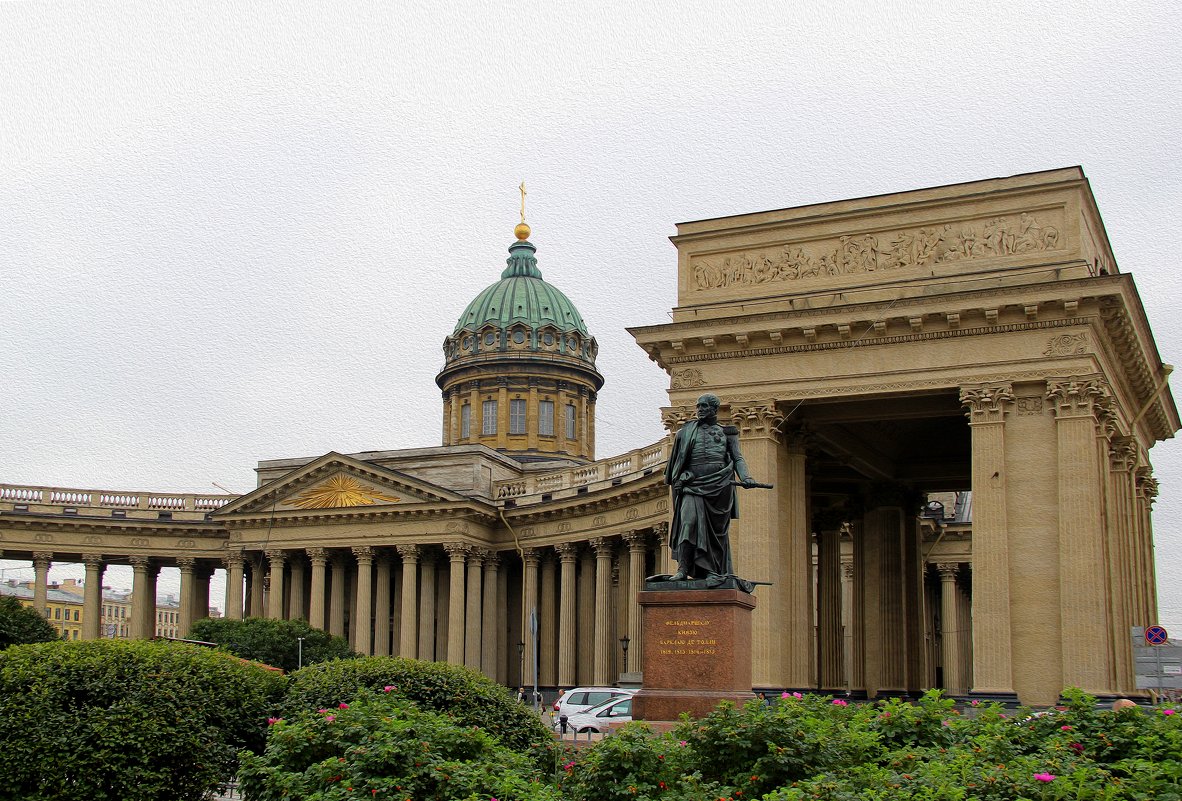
(1064, 728)
(974, 703)
(330, 718)
(1077, 747)
(784, 695)
(321, 710)
(840, 702)
(681, 743)
(1044, 777)
(1167, 711)
(797, 695)
(273, 721)
(342, 705)
(389, 688)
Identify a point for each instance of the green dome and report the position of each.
(521, 296)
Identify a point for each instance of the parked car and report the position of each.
(600, 718)
(581, 699)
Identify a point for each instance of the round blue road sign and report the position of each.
(1156, 635)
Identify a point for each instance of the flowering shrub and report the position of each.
(135, 721)
(468, 696)
(380, 746)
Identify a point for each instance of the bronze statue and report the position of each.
(702, 469)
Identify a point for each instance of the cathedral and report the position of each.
(953, 390)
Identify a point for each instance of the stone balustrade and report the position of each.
(108, 503)
(630, 466)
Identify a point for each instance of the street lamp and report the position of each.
(521, 660)
(301, 651)
(624, 644)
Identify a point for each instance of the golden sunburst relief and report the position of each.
(341, 491)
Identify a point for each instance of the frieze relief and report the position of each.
(1067, 345)
(688, 378)
(1028, 405)
(996, 237)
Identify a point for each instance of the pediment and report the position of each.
(335, 482)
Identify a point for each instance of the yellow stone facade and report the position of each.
(875, 354)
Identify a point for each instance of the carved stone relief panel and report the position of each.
(1067, 345)
(883, 251)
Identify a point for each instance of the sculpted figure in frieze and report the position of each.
(867, 253)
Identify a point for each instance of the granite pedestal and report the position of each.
(697, 652)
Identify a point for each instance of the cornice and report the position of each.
(290, 518)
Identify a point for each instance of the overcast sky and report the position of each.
(240, 231)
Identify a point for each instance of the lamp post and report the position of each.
(521, 660)
(624, 644)
(300, 658)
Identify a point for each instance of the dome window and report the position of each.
(518, 336)
(548, 338)
(490, 338)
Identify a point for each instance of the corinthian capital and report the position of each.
(674, 417)
(759, 419)
(456, 551)
(1078, 396)
(986, 403)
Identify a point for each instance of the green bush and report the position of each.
(272, 642)
(126, 721)
(632, 763)
(469, 697)
(759, 747)
(382, 746)
(21, 624)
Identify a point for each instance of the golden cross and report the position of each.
(522, 188)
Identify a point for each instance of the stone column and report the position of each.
(490, 624)
(407, 628)
(235, 577)
(143, 598)
(858, 624)
(830, 645)
(950, 654)
(319, 558)
(41, 562)
(992, 641)
(201, 576)
(457, 553)
(336, 603)
(381, 606)
(278, 560)
(363, 619)
(474, 597)
(884, 633)
(664, 553)
(297, 602)
(529, 606)
(603, 587)
(586, 614)
(771, 542)
(1083, 600)
(548, 623)
(92, 598)
(186, 564)
(1147, 489)
(1121, 522)
(567, 594)
(257, 609)
(847, 622)
(637, 545)
(427, 606)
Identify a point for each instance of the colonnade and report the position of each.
(466, 604)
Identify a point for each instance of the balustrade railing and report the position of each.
(51, 499)
(617, 469)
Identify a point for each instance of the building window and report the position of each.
(75, 615)
(517, 416)
(57, 614)
(489, 411)
(570, 421)
(546, 418)
(465, 421)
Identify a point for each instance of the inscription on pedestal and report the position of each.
(687, 638)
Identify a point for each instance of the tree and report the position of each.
(274, 642)
(21, 624)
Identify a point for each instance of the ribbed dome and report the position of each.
(521, 296)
